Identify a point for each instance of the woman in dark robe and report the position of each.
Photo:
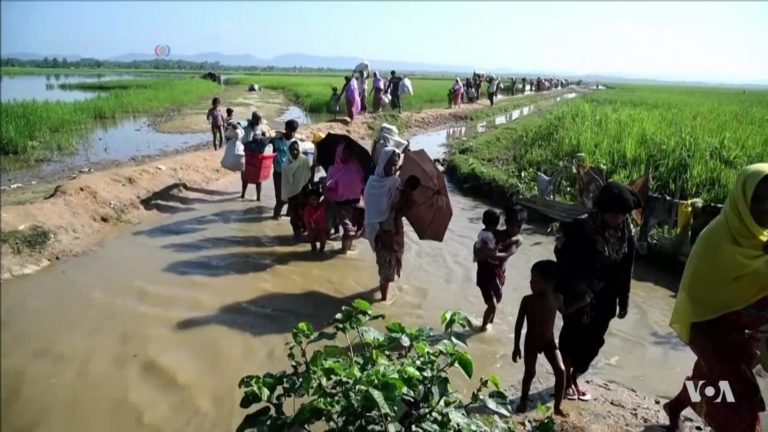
(596, 253)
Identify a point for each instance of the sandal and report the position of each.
(584, 396)
(570, 394)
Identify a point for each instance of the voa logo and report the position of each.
(695, 388)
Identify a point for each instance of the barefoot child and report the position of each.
(314, 220)
(539, 310)
(216, 120)
(487, 255)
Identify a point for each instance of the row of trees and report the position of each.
(157, 64)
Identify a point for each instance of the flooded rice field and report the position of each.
(153, 330)
(128, 138)
(46, 87)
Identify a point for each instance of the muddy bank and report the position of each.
(79, 212)
(615, 407)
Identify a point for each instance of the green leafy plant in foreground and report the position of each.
(372, 381)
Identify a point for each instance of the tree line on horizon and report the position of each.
(156, 64)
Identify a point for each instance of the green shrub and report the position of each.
(372, 381)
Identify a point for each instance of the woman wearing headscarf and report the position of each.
(596, 253)
(343, 189)
(722, 307)
(296, 177)
(352, 96)
(378, 92)
(458, 91)
(384, 202)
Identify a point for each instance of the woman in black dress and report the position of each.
(596, 253)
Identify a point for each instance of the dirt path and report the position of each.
(81, 212)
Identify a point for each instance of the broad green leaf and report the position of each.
(396, 327)
(317, 359)
(252, 420)
(307, 414)
(411, 372)
(305, 327)
(499, 396)
(323, 335)
(493, 379)
(270, 381)
(495, 407)
(248, 381)
(421, 347)
(247, 400)
(362, 304)
(333, 351)
(379, 399)
(445, 317)
(465, 363)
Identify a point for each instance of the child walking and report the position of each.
(539, 310)
(334, 102)
(216, 120)
(314, 220)
(490, 268)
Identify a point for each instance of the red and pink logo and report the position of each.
(162, 50)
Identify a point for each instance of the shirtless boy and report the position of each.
(539, 310)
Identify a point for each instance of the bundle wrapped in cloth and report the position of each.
(388, 136)
(406, 87)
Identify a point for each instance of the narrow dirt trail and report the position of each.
(83, 211)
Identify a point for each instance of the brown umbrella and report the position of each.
(429, 211)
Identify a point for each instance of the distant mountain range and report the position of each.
(342, 63)
(299, 60)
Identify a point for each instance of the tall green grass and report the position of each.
(693, 140)
(313, 92)
(34, 130)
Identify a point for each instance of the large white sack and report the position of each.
(406, 86)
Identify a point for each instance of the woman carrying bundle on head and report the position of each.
(386, 197)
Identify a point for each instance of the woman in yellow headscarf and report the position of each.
(721, 306)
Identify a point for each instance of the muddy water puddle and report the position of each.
(129, 138)
(434, 141)
(47, 87)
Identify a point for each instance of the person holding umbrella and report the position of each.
(384, 205)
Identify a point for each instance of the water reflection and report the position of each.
(434, 141)
(46, 87)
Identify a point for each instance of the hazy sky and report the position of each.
(708, 41)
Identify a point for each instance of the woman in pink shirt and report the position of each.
(352, 96)
(343, 190)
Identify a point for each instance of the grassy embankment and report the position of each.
(37, 130)
(693, 140)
